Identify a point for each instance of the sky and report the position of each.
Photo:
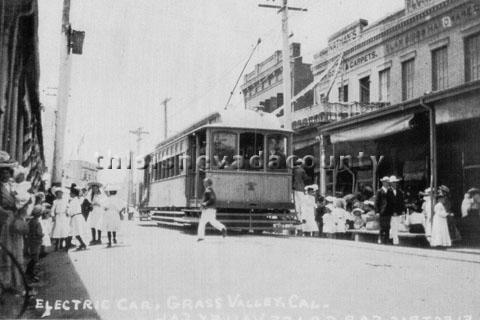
(138, 52)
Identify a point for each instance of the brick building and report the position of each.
(264, 86)
(407, 90)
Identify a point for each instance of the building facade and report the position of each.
(20, 110)
(263, 87)
(79, 172)
(403, 101)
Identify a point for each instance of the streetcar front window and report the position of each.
(276, 152)
(224, 150)
(251, 150)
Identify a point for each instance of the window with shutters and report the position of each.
(408, 79)
(439, 69)
(384, 85)
(343, 93)
(472, 58)
(365, 90)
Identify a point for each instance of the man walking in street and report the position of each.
(384, 207)
(209, 211)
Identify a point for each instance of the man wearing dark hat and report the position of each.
(384, 208)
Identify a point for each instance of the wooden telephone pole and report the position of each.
(287, 74)
(165, 121)
(62, 95)
(138, 132)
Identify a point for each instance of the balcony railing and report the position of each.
(328, 112)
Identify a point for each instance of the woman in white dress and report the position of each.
(440, 235)
(112, 215)
(340, 216)
(61, 225)
(308, 211)
(77, 222)
(95, 219)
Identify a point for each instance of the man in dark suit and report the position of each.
(384, 206)
(398, 208)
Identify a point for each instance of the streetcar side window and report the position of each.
(276, 152)
(251, 150)
(224, 149)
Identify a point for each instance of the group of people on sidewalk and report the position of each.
(75, 211)
(386, 212)
(31, 221)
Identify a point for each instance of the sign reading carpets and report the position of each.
(352, 63)
(435, 26)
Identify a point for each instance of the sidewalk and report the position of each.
(470, 255)
(58, 288)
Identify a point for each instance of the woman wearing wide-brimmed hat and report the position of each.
(95, 219)
(9, 234)
(309, 224)
(440, 233)
(111, 221)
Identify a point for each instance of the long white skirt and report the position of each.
(308, 214)
(440, 234)
(61, 226)
(47, 231)
(78, 225)
(111, 221)
(95, 218)
(298, 197)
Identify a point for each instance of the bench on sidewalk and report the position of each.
(362, 235)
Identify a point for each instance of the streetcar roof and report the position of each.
(248, 119)
(235, 119)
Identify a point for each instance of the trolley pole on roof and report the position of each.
(287, 74)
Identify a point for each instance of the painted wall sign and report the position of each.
(357, 61)
(416, 5)
(435, 26)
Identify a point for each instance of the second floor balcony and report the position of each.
(327, 112)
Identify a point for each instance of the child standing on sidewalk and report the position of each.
(61, 226)
(34, 241)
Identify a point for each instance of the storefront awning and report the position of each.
(371, 131)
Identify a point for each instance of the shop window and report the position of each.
(365, 90)
(439, 69)
(276, 152)
(224, 147)
(343, 93)
(384, 85)
(251, 144)
(407, 79)
(472, 58)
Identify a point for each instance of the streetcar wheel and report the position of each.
(14, 291)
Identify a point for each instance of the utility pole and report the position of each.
(62, 95)
(287, 75)
(165, 121)
(138, 132)
(71, 42)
